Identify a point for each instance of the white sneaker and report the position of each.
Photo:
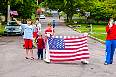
(47, 61)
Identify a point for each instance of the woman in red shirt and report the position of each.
(110, 42)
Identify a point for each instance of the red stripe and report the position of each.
(77, 44)
(75, 48)
(54, 52)
(76, 41)
(69, 56)
(74, 38)
(52, 60)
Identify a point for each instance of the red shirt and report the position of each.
(40, 43)
(49, 29)
(111, 32)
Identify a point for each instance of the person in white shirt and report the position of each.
(38, 24)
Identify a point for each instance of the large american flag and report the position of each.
(66, 48)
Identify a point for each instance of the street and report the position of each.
(13, 63)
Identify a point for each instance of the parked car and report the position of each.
(12, 28)
(42, 16)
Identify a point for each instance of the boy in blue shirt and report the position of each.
(28, 37)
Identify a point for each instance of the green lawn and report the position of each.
(97, 30)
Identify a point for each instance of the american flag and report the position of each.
(14, 13)
(66, 48)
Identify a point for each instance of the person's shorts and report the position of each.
(28, 44)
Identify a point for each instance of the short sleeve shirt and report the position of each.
(28, 31)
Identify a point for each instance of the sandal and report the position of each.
(32, 58)
(26, 58)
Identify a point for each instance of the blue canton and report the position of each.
(56, 43)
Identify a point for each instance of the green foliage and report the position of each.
(102, 9)
(99, 9)
(1, 29)
(25, 8)
(42, 4)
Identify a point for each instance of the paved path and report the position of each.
(13, 64)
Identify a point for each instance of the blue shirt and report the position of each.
(28, 31)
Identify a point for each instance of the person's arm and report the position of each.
(108, 28)
(36, 39)
(43, 44)
(22, 25)
(40, 27)
(17, 21)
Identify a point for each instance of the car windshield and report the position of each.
(41, 15)
(12, 24)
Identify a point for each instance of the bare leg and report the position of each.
(31, 53)
(27, 53)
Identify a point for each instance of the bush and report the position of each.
(1, 29)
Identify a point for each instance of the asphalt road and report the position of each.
(13, 64)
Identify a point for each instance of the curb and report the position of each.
(101, 41)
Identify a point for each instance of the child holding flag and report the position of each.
(49, 31)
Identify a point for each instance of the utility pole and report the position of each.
(8, 13)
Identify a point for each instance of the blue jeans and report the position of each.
(40, 53)
(110, 48)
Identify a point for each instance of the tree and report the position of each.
(25, 8)
(102, 9)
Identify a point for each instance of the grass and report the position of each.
(98, 31)
(1, 30)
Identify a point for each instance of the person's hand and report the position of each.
(14, 18)
(110, 25)
(85, 34)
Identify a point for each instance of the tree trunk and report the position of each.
(67, 17)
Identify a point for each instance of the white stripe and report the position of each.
(64, 37)
(68, 50)
(73, 37)
(69, 54)
(76, 46)
(47, 56)
(75, 40)
(77, 36)
(68, 36)
(53, 36)
(70, 57)
(75, 43)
